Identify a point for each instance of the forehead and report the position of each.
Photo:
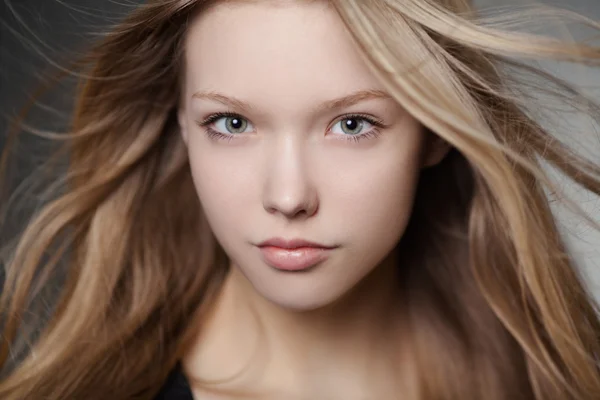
(290, 47)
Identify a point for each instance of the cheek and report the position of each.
(379, 197)
(374, 198)
(225, 184)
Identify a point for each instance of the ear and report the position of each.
(435, 149)
(183, 125)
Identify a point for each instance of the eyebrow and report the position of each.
(342, 102)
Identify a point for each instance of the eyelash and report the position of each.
(213, 134)
(373, 133)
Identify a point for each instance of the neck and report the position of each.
(344, 345)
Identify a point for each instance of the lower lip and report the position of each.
(298, 259)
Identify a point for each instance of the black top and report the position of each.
(176, 387)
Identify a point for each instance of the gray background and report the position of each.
(583, 239)
(36, 34)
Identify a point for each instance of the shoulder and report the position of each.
(176, 387)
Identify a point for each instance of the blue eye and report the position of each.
(351, 125)
(226, 126)
(231, 124)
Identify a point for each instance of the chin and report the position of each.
(301, 303)
(300, 292)
(309, 290)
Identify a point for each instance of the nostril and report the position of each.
(293, 209)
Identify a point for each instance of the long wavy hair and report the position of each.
(494, 306)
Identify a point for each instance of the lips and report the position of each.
(294, 254)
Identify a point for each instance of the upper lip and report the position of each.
(292, 243)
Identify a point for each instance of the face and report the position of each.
(292, 139)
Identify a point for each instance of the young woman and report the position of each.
(306, 200)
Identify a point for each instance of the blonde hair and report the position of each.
(494, 306)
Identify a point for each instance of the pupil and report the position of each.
(234, 125)
(352, 124)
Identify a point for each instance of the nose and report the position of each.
(288, 190)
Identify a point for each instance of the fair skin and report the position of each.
(296, 162)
